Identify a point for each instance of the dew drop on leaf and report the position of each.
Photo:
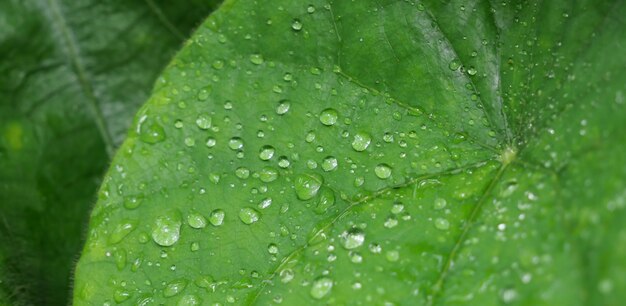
(204, 121)
(296, 25)
(217, 217)
(442, 224)
(283, 107)
(321, 287)
(266, 152)
(382, 171)
(361, 141)
(248, 215)
(307, 186)
(166, 229)
(235, 143)
(352, 238)
(329, 163)
(328, 116)
(196, 220)
(174, 287)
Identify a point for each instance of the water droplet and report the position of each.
(272, 249)
(189, 300)
(217, 217)
(248, 215)
(204, 93)
(204, 121)
(310, 9)
(196, 220)
(194, 246)
(211, 142)
(166, 229)
(326, 200)
(361, 141)
(268, 175)
(440, 203)
(283, 107)
(150, 131)
(329, 163)
(242, 173)
(352, 238)
(122, 230)
(321, 287)
(266, 152)
(392, 255)
(382, 171)
(442, 224)
(235, 143)
(296, 25)
(397, 208)
(307, 186)
(328, 116)
(391, 222)
(454, 64)
(286, 275)
(174, 287)
(256, 59)
(472, 71)
(283, 162)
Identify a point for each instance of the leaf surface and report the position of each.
(374, 152)
(71, 76)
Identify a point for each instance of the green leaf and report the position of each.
(374, 152)
(71, 76)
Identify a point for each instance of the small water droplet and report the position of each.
(196, 220)
(211, 142)
(328, 116)
(242, 173)
(283, 107)
(440, 203)
(442, 224)
(310, 9)
(361, 141)
(272, 249)
(174, 287)
(256, 59)
(150, 131)
(122, 230)
(235, 143)
(268, 175)
(321, 287)
(296, 25)
(329, 163)
(248, 215)
(454, 64)
(352, 238)
(472, 71)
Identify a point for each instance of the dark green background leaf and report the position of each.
(71, 76)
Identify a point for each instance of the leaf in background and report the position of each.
(374, 152)
(71, 76)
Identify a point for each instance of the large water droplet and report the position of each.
(307, 185)
(266, 152)
(382, 171)
(321, 287)
(150, 131)
(326, 200)
(328, 116)
(361, 141)
(217, 217)
(204, 121)
(166, 229)
(196, 220)
(352, 238)
(248, 215)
